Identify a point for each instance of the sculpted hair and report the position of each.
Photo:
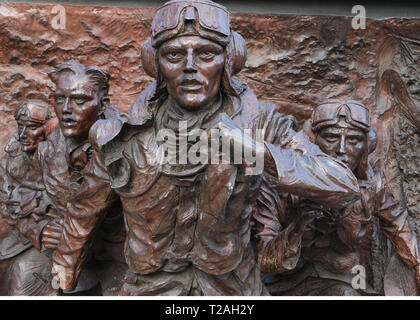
(97, 76)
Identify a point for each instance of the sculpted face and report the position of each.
(344, 142)
(192, 68)
(30, 134)
(77, 104)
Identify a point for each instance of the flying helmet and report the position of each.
(33, 110)
(328, 113)
(203, 18)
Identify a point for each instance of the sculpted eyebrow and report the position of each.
(210, 47)
(356, 134)
(171, 48)
(352, 132)
(332, 131)
(80, 95)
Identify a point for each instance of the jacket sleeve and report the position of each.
(278, 231)
(94, 199)
(293, 165)
(31, 219)
(296, 165)
(30, 226)
(394, 223)
(85, 212)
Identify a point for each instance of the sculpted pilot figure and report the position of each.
(24, 204)
(329, 242)
(189, 224)
(81, 98)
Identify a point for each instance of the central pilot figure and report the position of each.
(189, 224)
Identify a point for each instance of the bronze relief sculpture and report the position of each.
(24, 204)
(333, 243)
(80, 99)
(201, 188)
(189, 224)
(377, 199)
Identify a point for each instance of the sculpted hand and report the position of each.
(317, 216)
(51, 234)
(238, 141)
(310, 210)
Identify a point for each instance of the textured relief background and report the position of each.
(294, 61)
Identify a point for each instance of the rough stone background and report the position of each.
(294, 61)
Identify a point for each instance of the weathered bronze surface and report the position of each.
(332, 243)
(80, 99)
(338, 188)
(24, 204)
(189, 225)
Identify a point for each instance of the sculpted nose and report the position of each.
(190, 66)
(342, 147)
(66, 106)
(23, 134)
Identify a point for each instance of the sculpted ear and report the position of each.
(105, 101)
(372, 140)
(148, 58)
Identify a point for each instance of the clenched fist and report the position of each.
(51, 234)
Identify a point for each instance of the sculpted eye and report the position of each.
(207, 55)
(80, 100)
(354, 140)
(331, 139)
(59, 99)
(173, 56)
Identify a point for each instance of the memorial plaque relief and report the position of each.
(188, 150)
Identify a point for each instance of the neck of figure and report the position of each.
(174, 114)
(28, 154)
(74, 142)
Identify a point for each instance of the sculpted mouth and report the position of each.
(191, 85)
(68, 123)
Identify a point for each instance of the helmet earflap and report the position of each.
(148, 58)
(238, 53)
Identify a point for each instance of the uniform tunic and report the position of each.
(189, 226)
